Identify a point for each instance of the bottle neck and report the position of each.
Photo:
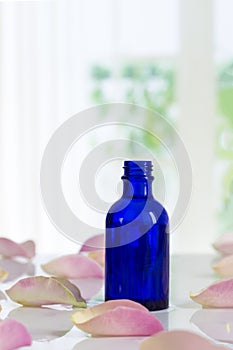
(137, 179)
(137, 188)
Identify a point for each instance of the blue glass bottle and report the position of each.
(137, 242)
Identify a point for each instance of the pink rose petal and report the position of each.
(121, 321)
(9, 248)
(178, 340)
(13, 335)
(224, 244)
(3, 274)
(73, 266)
(88, 286)
(224, 267)
(40, 290)
(117, 318)
(218, 294)
(71, 287)
(93, 243)
(109, 305)
(98, 256)
(29, 248)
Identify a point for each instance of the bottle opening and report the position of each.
(138, 168)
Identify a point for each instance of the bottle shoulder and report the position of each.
(125, 210)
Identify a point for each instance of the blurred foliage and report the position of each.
(100, 73)
(150, 85)
(225, 141)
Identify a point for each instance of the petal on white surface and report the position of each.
(40, 290)
(9, 248)
(89, 287)
(73, 266)
(13, 335)
(224, 244)
(71, 287)
(117, 318)
(178, 340)
(121, 321)
(29, 248)
(99, 309)
(218, 294)
(224, 267)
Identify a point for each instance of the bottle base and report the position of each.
(151, 305)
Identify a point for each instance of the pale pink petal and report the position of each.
(3, 274)
(29, 248)
(127, 319)
(99, 309)
(98, 256)
(13, 335)
(88, 286)
(73, 266)
(218, 294)
(224, 267)
(71, 287)
(40, 290)
(93, 243)
(9, 248)
(178, 340)
(118, 321)
(225, 244)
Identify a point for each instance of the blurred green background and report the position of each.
(153, 85)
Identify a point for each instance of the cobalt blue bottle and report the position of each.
(137, 242)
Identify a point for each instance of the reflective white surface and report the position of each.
(51, 328)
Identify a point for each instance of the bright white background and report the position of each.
(46, 48)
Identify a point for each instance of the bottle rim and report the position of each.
(138, 168)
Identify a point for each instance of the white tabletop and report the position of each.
(52, 328)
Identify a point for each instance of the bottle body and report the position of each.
(137, 246)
